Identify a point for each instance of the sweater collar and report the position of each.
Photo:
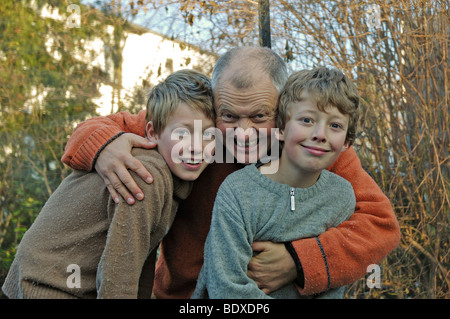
(301, 193)
(181, 188)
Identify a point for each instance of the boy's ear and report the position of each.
(279, 134)
(345, 146)
(150, 132)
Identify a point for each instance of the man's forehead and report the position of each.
(256, 108)
(229, 98)
(244, 72)
(243, 86)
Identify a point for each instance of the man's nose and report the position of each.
(245, 129)
(244, 123)
(245, 134)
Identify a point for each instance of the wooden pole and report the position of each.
(264, 23)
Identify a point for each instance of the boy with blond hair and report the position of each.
(83, 244)
(317, 117)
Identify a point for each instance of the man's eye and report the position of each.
(228, 117)
(259, 117)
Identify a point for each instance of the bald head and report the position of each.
(238, 67)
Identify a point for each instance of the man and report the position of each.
(246, 83)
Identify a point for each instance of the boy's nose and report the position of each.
(196, 144)
(319, 134)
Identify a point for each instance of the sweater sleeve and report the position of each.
(128, 243)
(91, 136)
(370, 234)
(228, 251)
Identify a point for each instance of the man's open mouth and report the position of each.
(247, 143)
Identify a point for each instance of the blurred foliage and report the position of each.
(45, 89)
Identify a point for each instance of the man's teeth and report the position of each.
(247, 143)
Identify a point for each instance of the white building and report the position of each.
(147, 58)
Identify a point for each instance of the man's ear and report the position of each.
(150, 132)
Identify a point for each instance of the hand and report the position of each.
(273, 267)
(113, 164)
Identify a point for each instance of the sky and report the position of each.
(168, 21)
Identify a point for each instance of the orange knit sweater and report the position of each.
(366, 238)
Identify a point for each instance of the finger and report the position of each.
(112, 191)
(251, 275)
(137, 167)
(265, 290)
(116, 185)
(260, 245)
(260, 284)
(139, 141)
(126, 184)
(253, 265)
(116, 188)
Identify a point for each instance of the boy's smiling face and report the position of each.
(313, 139)
(183, 140)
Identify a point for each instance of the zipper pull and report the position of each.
(292, 199)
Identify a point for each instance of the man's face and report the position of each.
(246, 116)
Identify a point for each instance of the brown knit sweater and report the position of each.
(113, 245)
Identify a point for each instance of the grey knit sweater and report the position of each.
(81, 232)
(251, 207)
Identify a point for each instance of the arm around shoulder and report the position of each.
(341, 254)
(91, 136)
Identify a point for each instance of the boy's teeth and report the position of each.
(192, 161)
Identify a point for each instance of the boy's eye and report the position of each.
(306, 120)
(209, 134)
(180, 132)
(336, 125)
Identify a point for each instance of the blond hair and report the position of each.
(327, 87)
(184, 86)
